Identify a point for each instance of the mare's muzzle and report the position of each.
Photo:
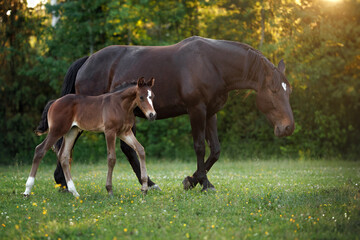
(284, 130)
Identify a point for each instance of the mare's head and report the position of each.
(145, 96)
(273, 99)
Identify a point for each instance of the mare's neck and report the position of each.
(240, 66)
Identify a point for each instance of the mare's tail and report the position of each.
(70, 77)
(43, 125)
(67, 87)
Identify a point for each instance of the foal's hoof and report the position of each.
(209, 189)
(26, 195)
(144, 192)
(64, 190)
(155, 187)
(188, 183)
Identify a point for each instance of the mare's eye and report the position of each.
(141, 98)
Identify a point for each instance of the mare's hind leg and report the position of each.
(64, 158)
(40, 152)
(130, 140)
(111, 157)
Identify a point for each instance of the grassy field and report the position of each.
(254, 199)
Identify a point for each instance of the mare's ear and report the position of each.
(141, 82)
(281, 66)
(151, 82)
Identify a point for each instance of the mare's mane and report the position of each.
(255, 70)
(255, 67)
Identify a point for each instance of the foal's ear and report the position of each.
(151, 82)
(281, 66)
(141, 82)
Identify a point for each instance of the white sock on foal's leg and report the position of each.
(29, 184)
(72, 189)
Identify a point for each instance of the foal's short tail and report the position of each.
(43, 124)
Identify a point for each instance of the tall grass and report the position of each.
(254, 199)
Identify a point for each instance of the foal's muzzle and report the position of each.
(151, 116)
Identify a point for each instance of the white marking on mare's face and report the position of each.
(284, 86)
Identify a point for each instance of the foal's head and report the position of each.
(145, 96)
(273, 100)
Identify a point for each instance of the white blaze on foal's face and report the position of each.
(149, 98)
(150, 112)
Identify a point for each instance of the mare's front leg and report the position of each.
(130, 140)
(40, 152)
(111, 157)
(212, 139)
(198, 122)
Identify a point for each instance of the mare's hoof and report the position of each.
(186, 183)
(26, 195)
(155, 187)
(209, 189)
(144, 192)
(189, 183)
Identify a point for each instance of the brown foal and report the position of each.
(111, 113)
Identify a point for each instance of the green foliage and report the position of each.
(169, 137)
(254, 199)
(317, 39)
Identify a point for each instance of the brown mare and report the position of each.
(111, 113)
(193, 77)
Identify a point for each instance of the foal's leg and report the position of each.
(58, 173)
(134, 162)
(40, 152)
(130, 140)
(111, 157)
(64, 158)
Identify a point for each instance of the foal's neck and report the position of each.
(128, 98)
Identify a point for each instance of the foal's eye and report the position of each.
(141, 98)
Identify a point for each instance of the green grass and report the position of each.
(254, 199)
